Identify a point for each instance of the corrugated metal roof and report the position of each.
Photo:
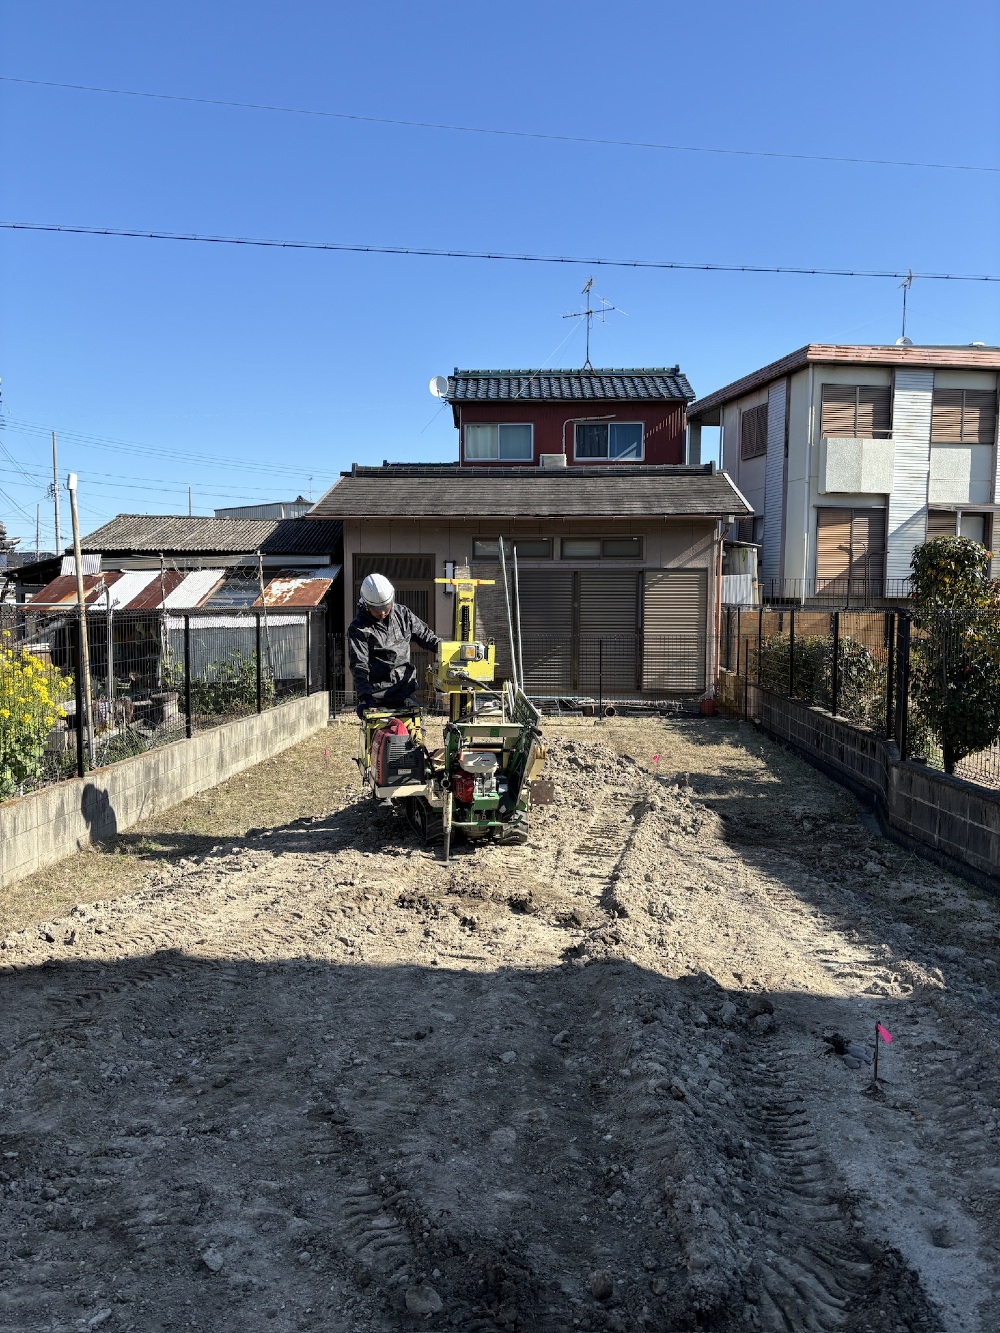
(62, 590)
(294, 590)
(944, 358)
(157, 589)
(127, 587)
(193, 589)
(588, 492)
(168, 534)
(635, 385)
(91, 564)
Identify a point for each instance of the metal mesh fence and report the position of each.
(933, 686)
(153, 677)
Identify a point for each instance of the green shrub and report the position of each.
(860, 679)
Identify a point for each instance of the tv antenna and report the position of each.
(588, 314)
(906, 284)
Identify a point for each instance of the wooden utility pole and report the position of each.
(55, 492)
(88, 709)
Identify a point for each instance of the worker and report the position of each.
(378, 644)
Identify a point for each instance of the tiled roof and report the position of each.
(573, 492)
(547, 386)
(846, 354)
(167, 533)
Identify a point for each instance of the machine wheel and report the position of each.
(422, 819)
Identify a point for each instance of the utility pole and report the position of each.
(38, 530)
(190, 505)
(55, 492)
(84, 665)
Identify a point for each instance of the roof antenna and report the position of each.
(588, 313)
(906, 284)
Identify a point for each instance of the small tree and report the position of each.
(32, 693)
(955, 657)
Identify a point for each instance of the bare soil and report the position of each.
(310, 1077)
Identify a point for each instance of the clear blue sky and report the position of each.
(285, 366)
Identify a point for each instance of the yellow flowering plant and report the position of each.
(32, 694)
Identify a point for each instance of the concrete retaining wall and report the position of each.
(958, 821)
(62, 819)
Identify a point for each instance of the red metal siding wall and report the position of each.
(663, 423)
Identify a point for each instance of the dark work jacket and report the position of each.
(379, 653)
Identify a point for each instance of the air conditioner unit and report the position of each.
(551, 460)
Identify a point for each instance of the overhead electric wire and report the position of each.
(814, 271)
(499, 133)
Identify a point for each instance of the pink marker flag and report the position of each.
(884, 1033)
(656, 758)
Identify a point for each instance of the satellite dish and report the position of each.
(438, 386)
(904, 342)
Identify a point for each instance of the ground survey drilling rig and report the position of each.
(479, 782)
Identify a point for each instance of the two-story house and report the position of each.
(618, 541)
(852, 456)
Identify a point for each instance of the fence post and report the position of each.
(308, 657)
(81, 767)
(890, 669)
(187, 677)
(260, 678)
(791, 654)
(760, 637)
(739, 630)
(835, 674)
(902, 682)
(746, 678)
(600, 677)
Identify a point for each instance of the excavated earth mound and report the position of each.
(616, 1079)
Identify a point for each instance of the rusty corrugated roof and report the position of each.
(153, 594)
(62, 590)
(297, 590)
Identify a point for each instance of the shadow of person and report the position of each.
(97, 810)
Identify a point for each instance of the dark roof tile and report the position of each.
(429, 491)
(656, 384)
(137, 533)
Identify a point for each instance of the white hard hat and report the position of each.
(377, 591)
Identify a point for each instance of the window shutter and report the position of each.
(979, 424)
(833, 544)
(874, 411)
(839, 410)
(753, 432)
(940, 523)
(964, 416)
(857, 411)
(675, 610)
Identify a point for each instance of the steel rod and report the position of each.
(510, 622)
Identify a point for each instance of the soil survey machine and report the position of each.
(479, 782)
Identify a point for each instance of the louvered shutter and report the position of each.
(868, 552)
(546, 599)
(833, 549)
(979, 422)
(946, 416)
(839, 410)
(874, 412)
(608, 619)
(675, 610)
(940, 523)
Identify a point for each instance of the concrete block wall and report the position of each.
(958, 820)
(57, 821)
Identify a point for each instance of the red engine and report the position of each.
(464, 787)
(395, 759)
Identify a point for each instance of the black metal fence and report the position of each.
(844, 594)
(917, 684)
(151, 677)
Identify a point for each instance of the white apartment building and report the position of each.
(853, 455)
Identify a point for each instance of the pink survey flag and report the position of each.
(883, 1032)
(656, 758)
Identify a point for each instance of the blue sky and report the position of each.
(245, 373)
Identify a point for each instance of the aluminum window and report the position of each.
(618, 441)
(528, 548)
(598, 548)
(505, 441)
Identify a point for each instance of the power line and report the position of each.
(500, 133)
(431, 253)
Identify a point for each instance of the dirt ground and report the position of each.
(310, 1077)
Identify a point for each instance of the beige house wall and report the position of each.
(668, 544)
